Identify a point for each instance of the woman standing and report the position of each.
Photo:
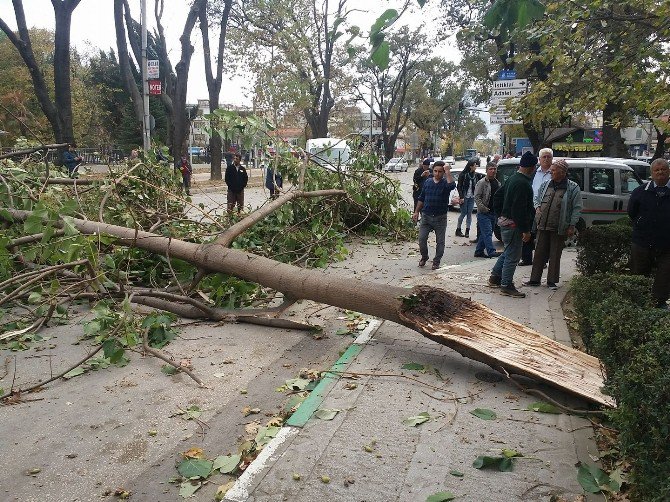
(466, 195)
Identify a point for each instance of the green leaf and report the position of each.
(594, 480)
(326, 414)
(417, 419)
(381, 55)
(456, 473)
(413, 366)
(226, 463)
(484, 414)
(34, 298)
(188, 488)
(79, 370)
(421, 3)
(195, 468)
(169, 370)
(193, 412)
(511, 453)
(342, 331)
(384, 21)
(503, 464)
(265, 434)
(297, 383)
(544, 408)
(68, 226)
(441, 497)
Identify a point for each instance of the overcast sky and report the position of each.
(93, 28)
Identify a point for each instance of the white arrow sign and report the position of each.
(508, 93)
(519, 83)
(503, 120)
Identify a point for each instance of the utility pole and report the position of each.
(146, 122)
(371, 102)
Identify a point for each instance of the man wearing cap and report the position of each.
(433, 204)
(649, 208)
(546, 157)
(421, 174)
(514, 203)
(558, 206)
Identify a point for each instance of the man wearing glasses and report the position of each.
(433, 204)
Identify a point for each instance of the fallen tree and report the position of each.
(467, 327)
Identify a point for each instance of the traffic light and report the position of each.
(461, 108)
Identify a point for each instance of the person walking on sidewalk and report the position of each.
(558, 207)
(466, 195)
(421, 174)
(433, 204)
(649, 208)
(514, 203)
(485, 189)
(546, 157)
(236, 178)
(186, 173)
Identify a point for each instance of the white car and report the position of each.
(449, 159)
(396, 164)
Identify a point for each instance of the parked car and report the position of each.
(449, 159)
(640, 166)
(396, 164)
(606, 184)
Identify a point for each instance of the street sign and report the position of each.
(507, 74)
(519, 83)
(152, 68)
(503, 120)
(508, 93)
(155, 87)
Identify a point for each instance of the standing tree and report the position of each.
(58, 111)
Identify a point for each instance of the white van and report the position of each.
(330, 153)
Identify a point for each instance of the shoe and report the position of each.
(494, 281)
(459, 233)
(467, 232)
(436, 265)
(531, 283)
(552, 285)
(495, 255)
(524, 264)
(512, 291)
(422, 261)
(476, 239)
(480, 255)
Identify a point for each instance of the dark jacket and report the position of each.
(418, 181)
(650, 213)
(514, 200)
(236, 178)
(464, 181)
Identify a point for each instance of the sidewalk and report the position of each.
(366, 453)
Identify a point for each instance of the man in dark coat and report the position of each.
(236, 179)
(421, 174)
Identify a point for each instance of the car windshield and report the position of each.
(394, 161)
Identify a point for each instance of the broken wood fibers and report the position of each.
(479, 333)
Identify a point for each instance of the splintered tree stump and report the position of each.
(477, 332)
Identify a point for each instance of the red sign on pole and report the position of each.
(154, 87)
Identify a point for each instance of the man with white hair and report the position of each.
(542, 174)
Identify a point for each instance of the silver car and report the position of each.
(396, 164)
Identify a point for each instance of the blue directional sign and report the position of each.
(507, 74)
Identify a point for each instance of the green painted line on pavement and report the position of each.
(316, 397)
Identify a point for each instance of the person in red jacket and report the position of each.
(186, 172)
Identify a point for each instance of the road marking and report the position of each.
(368, 332)
(240, 490)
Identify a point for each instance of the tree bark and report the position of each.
(62, 83)
(124, 61)
(613, 144)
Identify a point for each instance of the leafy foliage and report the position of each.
(604, 248)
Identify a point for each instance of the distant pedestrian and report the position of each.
(513, 202)
(421, 174)
(558, 207)
(72, 160)
(496, 159)
(186, 173)
(466, 195)
(236, 179)
(485, 189)
(649, 208)
(433, 205)
(273, 182)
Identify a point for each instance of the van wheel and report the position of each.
(571, 242)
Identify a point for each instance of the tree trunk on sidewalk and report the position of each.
(469, 328)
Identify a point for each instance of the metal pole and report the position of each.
(190, 144)
(371, 98)
(146, 124)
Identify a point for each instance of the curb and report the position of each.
(241, 490)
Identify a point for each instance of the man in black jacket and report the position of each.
(421, 174)
(236, 179)
(649, 208)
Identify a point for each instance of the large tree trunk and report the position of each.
(469, 328)
(613, 144)
(124, 61)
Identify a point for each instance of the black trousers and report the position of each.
(643, 260)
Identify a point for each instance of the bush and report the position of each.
(632, 339)
(604, 248)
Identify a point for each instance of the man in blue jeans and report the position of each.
(485, 189)
(514, 203)
(433, 204)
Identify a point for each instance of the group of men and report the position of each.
(538, 208)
